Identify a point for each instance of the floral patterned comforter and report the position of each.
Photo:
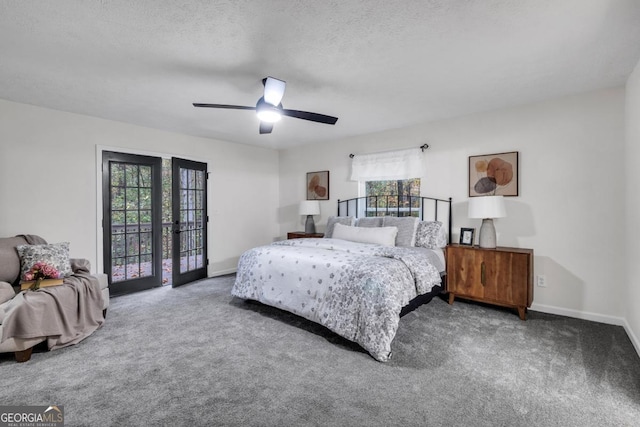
(356, 290)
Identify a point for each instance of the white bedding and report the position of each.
(356, 290)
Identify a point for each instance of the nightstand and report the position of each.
(302, 235)
(501, 276)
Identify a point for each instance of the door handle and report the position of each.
(482, 273)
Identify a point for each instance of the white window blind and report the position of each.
(388, 165)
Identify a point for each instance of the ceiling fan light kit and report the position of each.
(267, 112)
(269, 109)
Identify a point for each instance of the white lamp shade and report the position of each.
(487, 207)
(309, 207)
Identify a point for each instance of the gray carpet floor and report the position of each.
(195, 356)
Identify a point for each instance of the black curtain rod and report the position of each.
(422, 147)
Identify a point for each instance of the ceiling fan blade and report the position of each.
(265, 127)
(273, 90)
(314, 117)
(229, 107)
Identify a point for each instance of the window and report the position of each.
(394, 197)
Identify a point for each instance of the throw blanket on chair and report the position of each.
(32, 239)
(65, 314)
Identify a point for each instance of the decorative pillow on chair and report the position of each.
(431, 234)
(333, 220)
(56, 255)
(407, 226)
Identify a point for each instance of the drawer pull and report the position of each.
(482, 274)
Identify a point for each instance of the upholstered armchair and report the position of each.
(29, 317)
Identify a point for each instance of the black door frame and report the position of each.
(155, 279)
(179, 278)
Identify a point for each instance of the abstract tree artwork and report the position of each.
(493, 175)
(318, 185)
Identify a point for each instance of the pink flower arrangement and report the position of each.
(39, 271)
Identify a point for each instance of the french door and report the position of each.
(134, 234)
(189, 220)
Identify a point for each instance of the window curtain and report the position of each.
(388, 165)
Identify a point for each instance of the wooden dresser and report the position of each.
(501, 276)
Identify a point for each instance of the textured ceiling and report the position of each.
(375, 64)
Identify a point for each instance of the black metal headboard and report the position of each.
(426, 208)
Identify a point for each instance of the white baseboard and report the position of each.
(595, 317)
(223, 272)
(585, 315)
(632, 337)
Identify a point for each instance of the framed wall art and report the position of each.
(318, 185)
(493, 174)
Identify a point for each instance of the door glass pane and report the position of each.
(117, 269)
(131, 198)
(199, 260)
(145, 220)
(146, 245)
(184, 200)
(117, 218)
(117, 175)
(145, 176)
(183, 178)
(132, 244)
(131, 175)
(118, 245)
(117, 198)
(192, 199)
(133, 267)
(199, 180)
(145, 198)
(132, 221)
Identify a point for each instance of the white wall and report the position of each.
(632, 197)
(570, 208)
(49, 179)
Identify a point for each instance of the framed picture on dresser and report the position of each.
(466, 236)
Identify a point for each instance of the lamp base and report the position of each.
(487, 237)
(309, 225)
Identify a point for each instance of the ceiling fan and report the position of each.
(269, 109)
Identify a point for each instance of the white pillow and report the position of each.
(385, 236)
(332, 220)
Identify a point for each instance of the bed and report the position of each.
(360, 278)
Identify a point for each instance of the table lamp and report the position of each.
(487, 208)
(309, 208)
